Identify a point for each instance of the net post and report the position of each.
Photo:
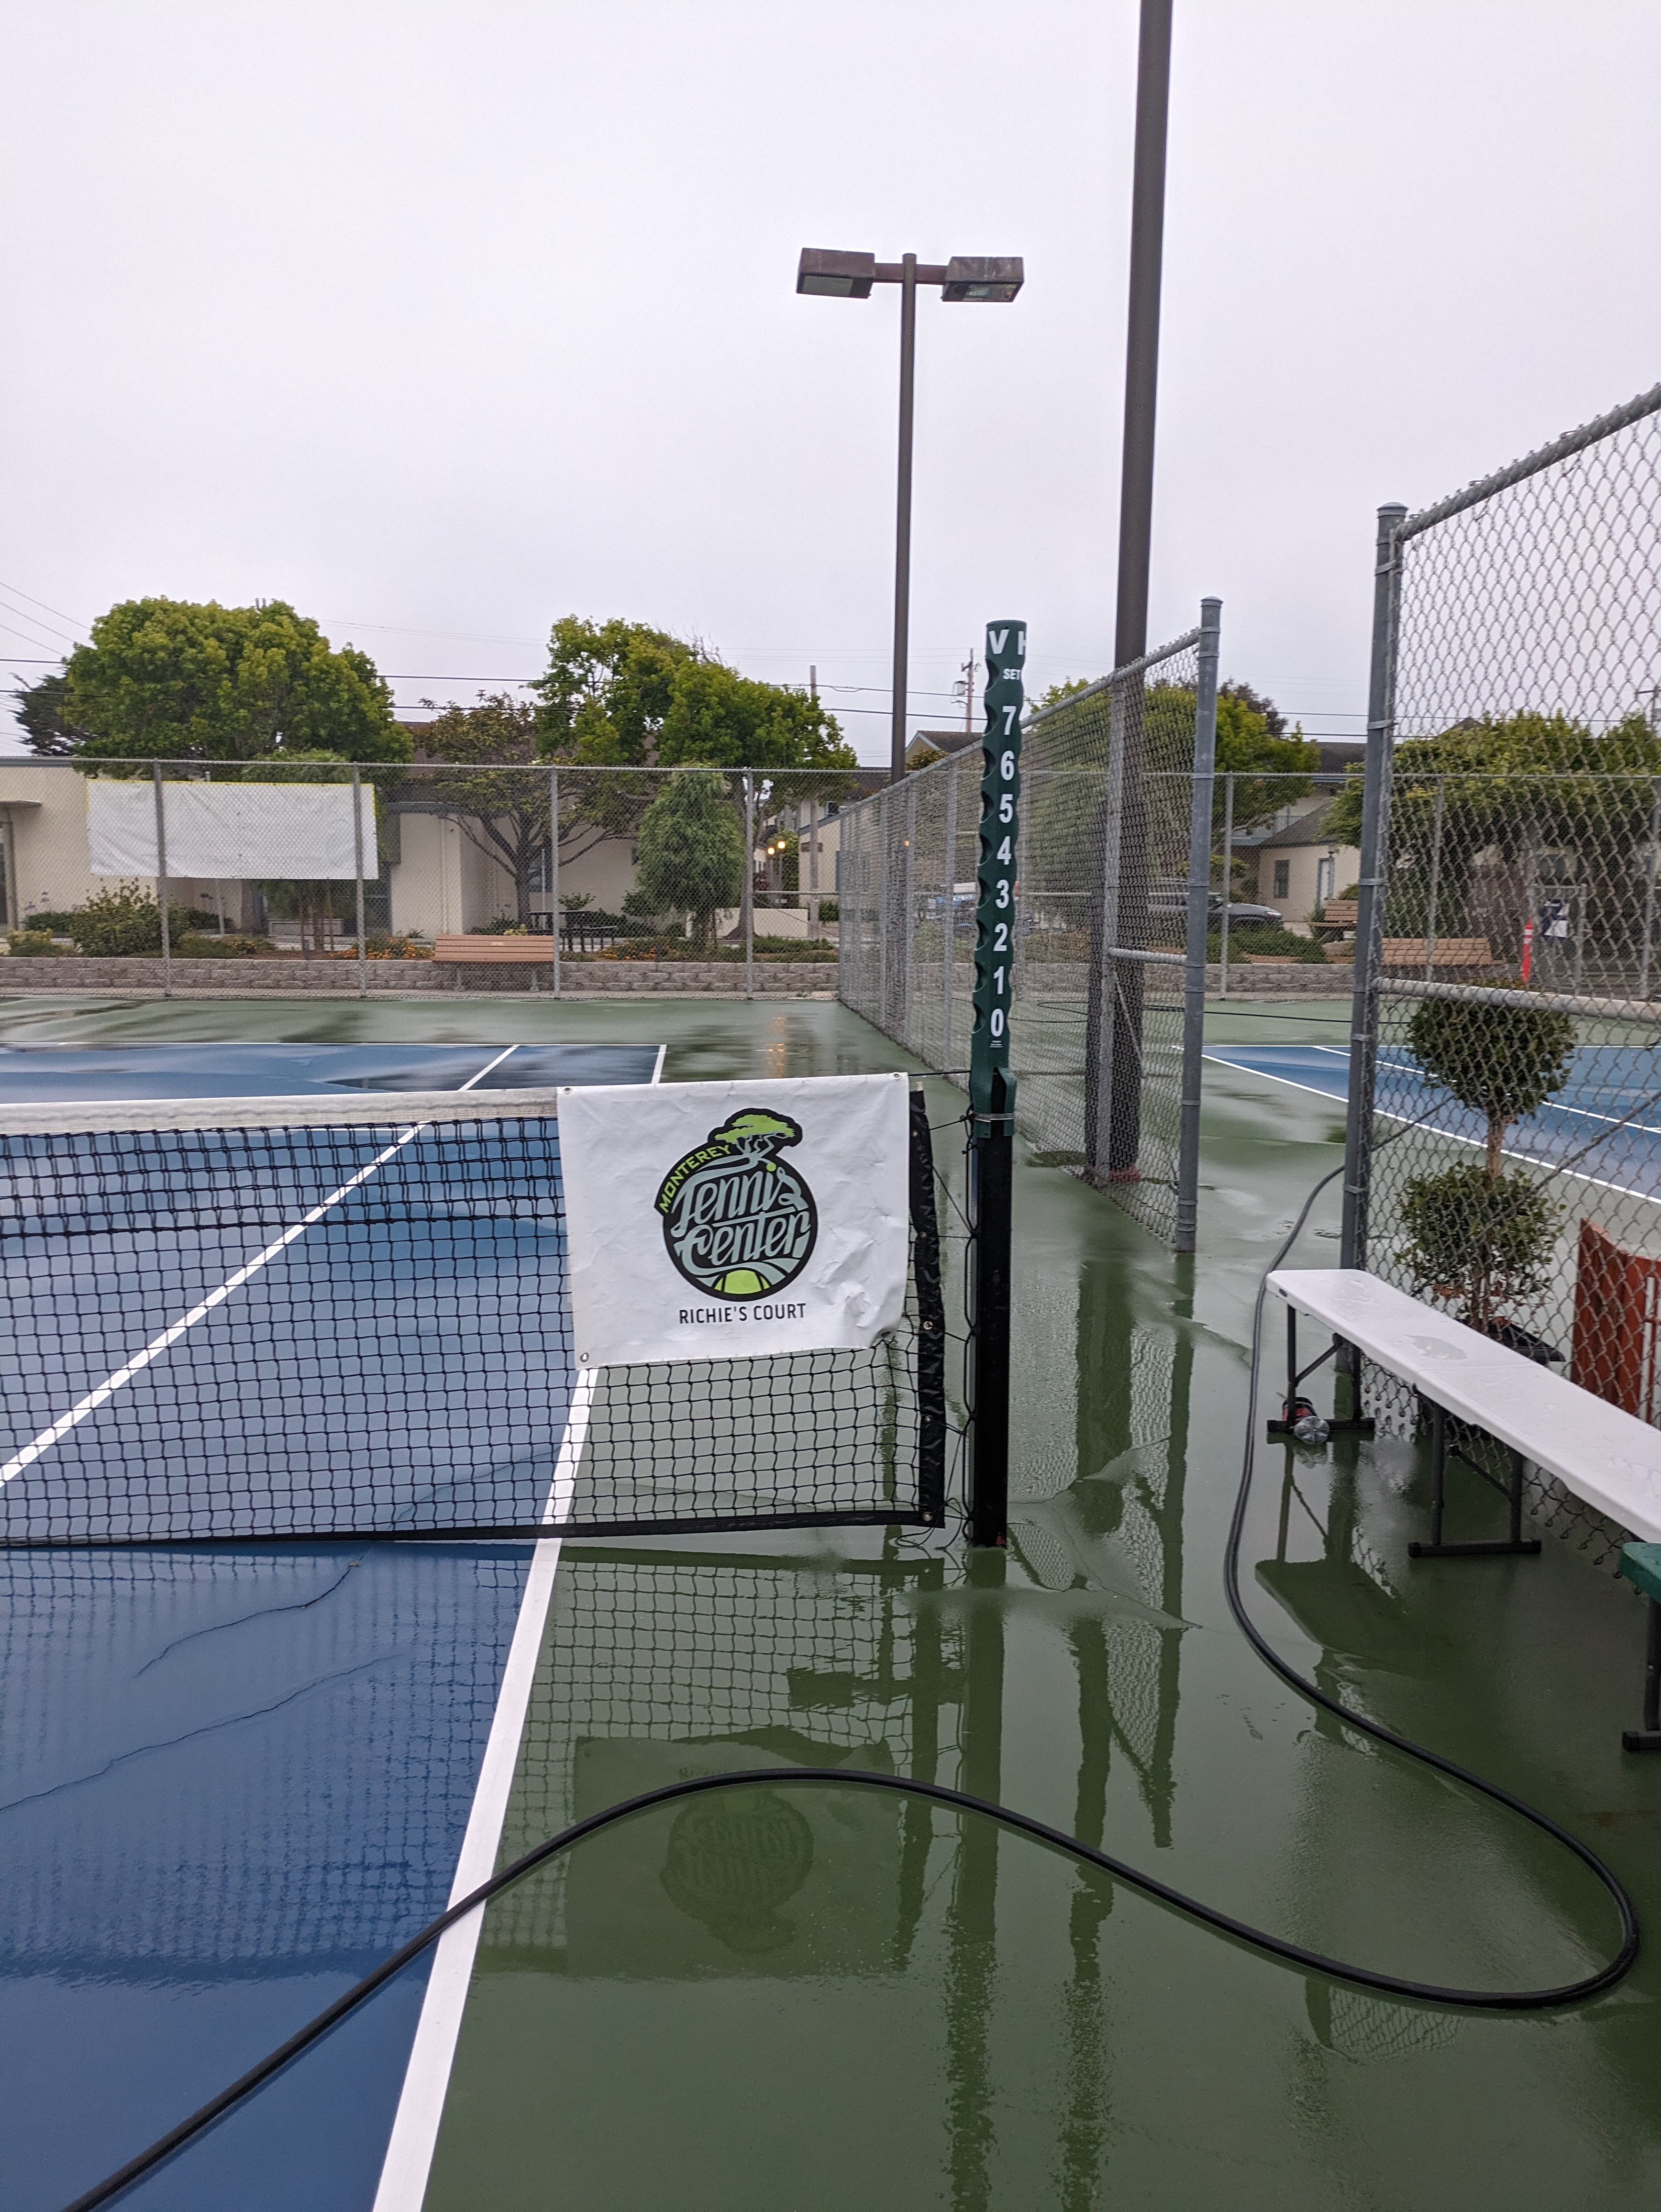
(553, 865)
(1370, 907)
(357, 855)
(162, 881)
(748, 893)
(1199, 919)
(992, 1087)
(931, 1320)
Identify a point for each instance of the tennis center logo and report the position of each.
(739, 1222)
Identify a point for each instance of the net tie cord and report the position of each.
(1297, 1955)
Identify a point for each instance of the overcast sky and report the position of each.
(442, 320)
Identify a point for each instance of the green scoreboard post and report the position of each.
(992, 1082)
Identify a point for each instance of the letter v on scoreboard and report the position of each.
(734, 1220)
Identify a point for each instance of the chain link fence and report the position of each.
(1506, 1127)
(320, 859)
(1101, 975)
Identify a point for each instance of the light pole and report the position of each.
(832, 275)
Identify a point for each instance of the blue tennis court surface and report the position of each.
(45, 1074)
(233, 1778)
(1604, 1125)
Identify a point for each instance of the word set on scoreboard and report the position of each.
(995, 913)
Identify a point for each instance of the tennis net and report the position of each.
(254, 1319)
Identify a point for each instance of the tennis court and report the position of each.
(234, 1777)
(1607, 1116)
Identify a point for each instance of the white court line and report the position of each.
(409, 2161)
(169, 1336)
(421, 2105)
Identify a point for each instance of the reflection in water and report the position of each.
(734, 1860)
(972, 1924)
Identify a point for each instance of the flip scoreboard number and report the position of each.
(995, 914)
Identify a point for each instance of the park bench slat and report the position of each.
(1608, 1457)
(1448, 952)
(488, 951)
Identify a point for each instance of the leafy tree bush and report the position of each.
(691, 851)
(1478, 1237)
(1502, 1061)
(1477, 1232)
(32, 944)
(122, 921)
(169, 679)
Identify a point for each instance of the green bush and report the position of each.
(1479, 1239)
(32, 944)
(49, 920)
(1245, 936)
(113, 923)
(199, 945)
(1502, 1061)
(828, 910)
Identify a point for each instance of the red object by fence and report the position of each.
(1617, 1304)
(1528, 949)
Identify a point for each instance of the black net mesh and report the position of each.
(362, 1328)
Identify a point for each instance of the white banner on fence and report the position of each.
(729, 1220)
(230, 829)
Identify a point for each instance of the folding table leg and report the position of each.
(1648, 1738)
(1436, 1549)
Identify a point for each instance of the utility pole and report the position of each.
(1135, 538)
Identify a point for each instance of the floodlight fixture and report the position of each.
(993, 279)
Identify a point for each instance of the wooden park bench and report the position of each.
(1447, 952)
(1601, 1454)
(486, 951)
(1338, 914)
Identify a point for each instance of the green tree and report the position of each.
(691, 849)
(1513, 786)
(606, 691)
(171, 680)
(43, 710)
(1477, 1232)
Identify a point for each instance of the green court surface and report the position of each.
(805, 1999)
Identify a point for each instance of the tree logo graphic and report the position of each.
(739, 1222)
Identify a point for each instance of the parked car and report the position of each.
(1172, 899)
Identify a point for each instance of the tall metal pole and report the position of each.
(748, 894)
(1199, 920)
(358, 856)
(1369, 898)
(1228, 884)
(1136, 538)
(162, 882)
(553, 865)
(902, 519)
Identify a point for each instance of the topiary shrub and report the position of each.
(1478, 1233)
(1478, 1238)
(1502, 1061)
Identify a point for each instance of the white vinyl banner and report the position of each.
(728, 1220)
(245, 830)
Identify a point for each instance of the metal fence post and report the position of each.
(1228, 882)
(1649, 890)
(909, 929)
(949, 912)
(1435, 877)
(358, 856)
(1199, 918)
(162, 882)
(1370, 894)
(748, 895)
(1101, 1016)
(553, 865)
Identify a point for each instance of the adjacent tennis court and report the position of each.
(1604, 1124)
(235, 1775)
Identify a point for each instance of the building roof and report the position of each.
(1308, 829)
